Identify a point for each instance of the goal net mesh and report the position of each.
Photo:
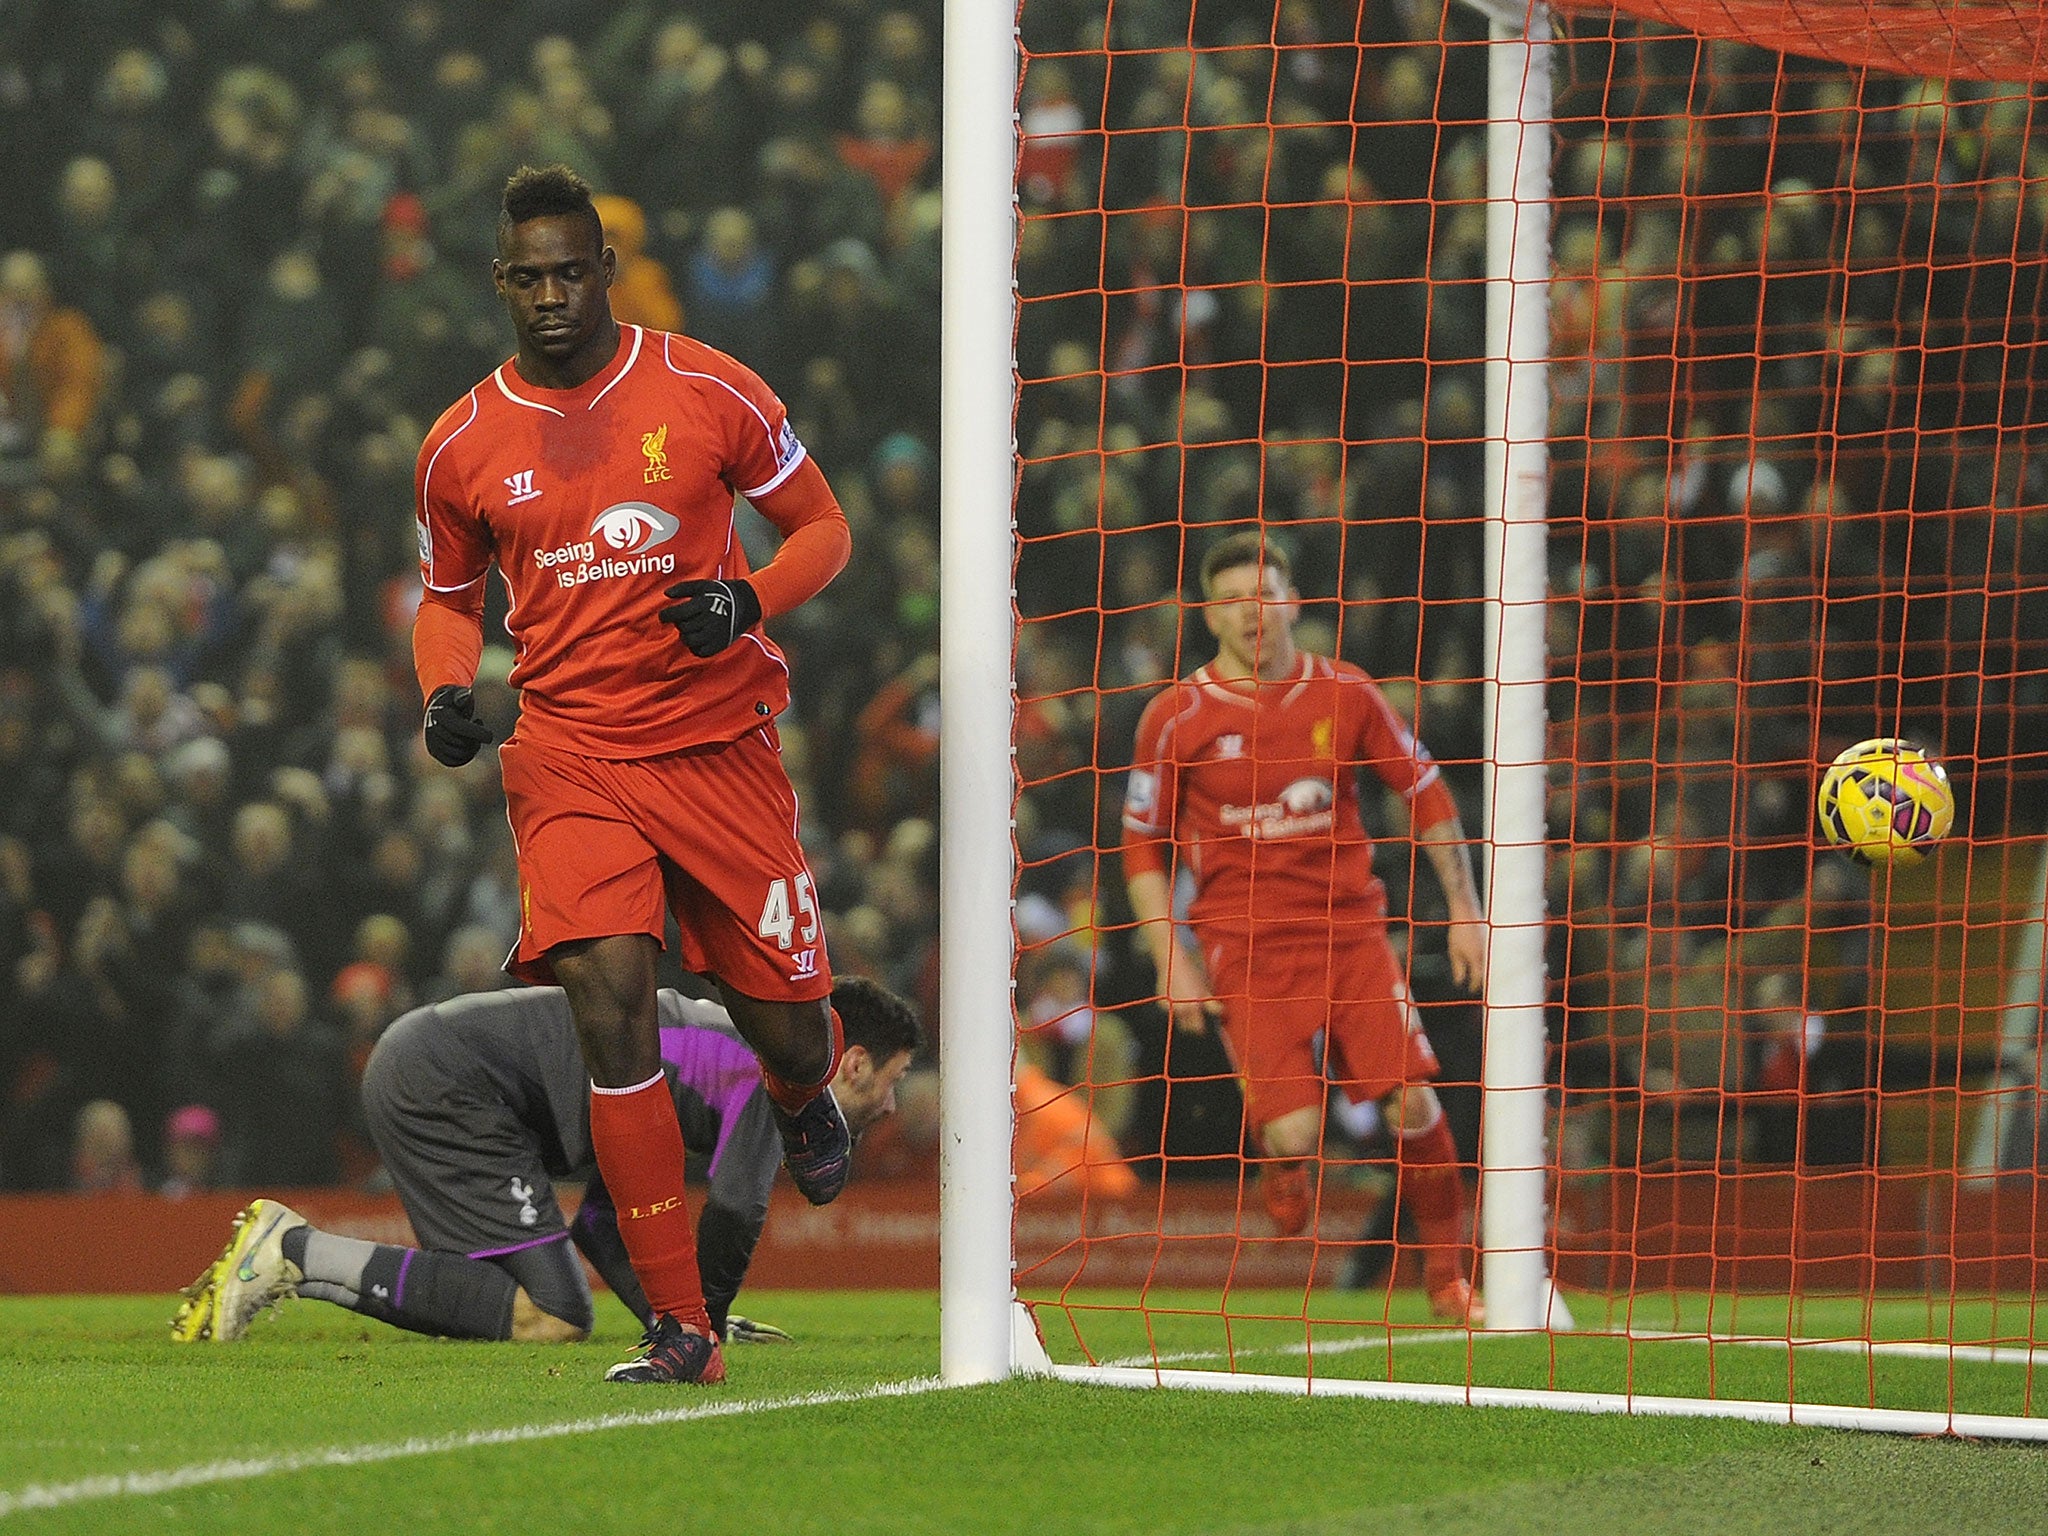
(1798, 497)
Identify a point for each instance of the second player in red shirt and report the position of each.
(1246, 773)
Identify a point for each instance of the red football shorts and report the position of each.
(1277, 996)
(708, 833)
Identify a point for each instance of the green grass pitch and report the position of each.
(320, 1422)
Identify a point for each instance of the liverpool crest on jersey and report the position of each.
(655, 445)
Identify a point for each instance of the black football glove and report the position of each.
(710, 615)
(454, 734)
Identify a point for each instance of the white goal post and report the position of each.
(977, 863)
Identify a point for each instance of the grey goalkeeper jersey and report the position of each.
(522, 1043)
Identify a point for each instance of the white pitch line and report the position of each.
(1975, 1354)
(1907, 1349)
(1898, 1421)
(243, 1469)
(1344, 1346)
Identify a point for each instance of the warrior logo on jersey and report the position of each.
(1230, 744)
(655, 445)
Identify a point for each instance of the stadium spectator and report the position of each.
(693, 93)
(1070, 1042)
(451, 1137)
(472, 961)
(841, 301)
(95, 245)
(362, 1002)
(1245, 774)
(886, 145)
(85, 866)
(895, 761)
(809, 199)
(103, 1151)
(152, 717)
(641, 293)
(1061, 1145)
(732, 287)
(1048, 160)
(283, 1085)
(426, 310)
(52, 367)
(274, 878)
(191, 1150)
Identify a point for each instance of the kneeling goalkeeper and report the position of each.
(477, 1105)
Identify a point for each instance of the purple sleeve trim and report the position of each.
(704, 1058)
(718, 1069)
(398, 1290)
(492, 1253)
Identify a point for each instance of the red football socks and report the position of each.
(790, 1097)
(1434, 1193)
(639, 1147)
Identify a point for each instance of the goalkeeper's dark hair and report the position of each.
(546, 192)
(876, 1019)
(1252, 547)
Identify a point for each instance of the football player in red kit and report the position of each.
(598, 470)
(1246, 773)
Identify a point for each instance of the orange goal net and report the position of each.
(1793, 438)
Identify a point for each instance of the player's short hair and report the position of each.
(1251, 547)
(546, 192)
(876, 1019)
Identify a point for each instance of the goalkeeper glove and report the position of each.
(744, 1330)
(710, 615)
(453, 733)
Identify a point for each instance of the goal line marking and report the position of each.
(1905, 1349)
(14, 1501)
(1898, 1421)
(1342, 1346)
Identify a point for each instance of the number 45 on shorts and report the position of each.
(779, 917)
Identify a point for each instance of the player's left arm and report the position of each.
(736, 1204)
(1404, 765)
(816, 540)
(767, 464)
(711, 613)
(595, 1232)
(1444, 843)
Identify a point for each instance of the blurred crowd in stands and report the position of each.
(246, 266)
